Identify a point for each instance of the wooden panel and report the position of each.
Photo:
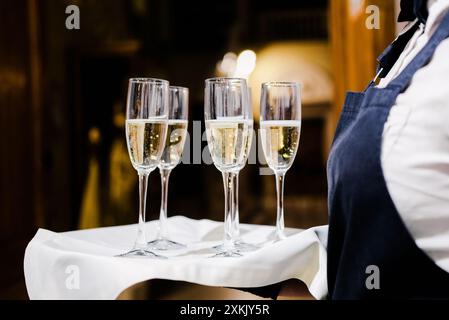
(355, 47)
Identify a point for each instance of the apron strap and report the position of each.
(373, 82)
(391, 54)
(403, 79)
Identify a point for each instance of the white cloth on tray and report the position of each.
(82, 264)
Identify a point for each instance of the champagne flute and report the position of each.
(227, 130)
(146, 131)
(239, 243)
(174, 146)
(280, 129)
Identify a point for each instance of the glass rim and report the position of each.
(178, 88)
(225, 79)
(148, 80)
(281, 84)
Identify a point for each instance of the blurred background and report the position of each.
(64, 162)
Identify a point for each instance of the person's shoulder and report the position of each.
(435, 74)
(428, 93)
(441, 55)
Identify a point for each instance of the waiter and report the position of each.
(388, 171)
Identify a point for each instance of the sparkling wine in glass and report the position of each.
(280, 129)
(146, 131)
(241, 245)
(227, 128)
(174, 146)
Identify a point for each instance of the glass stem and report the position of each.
(229, 211)
(280, 177)
(141, 242)
(163, 231)
(235, 202)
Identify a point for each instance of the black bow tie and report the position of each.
(412, 9)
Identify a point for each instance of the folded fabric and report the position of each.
(83, 264)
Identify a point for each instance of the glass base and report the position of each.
(227, 251)
(228, 254)
(276, 236)
(280, 235)
(165, 245)
(140, 253)
(240, 246)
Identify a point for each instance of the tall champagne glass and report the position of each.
(280, 128)
(146, 131)
(174, 146)
(241, 245)
(227, 129)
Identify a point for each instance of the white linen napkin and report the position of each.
(82, 264)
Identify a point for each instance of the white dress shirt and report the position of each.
(415, 143)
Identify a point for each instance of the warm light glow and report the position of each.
(239, 67)
(306, 62)
(246, 62)
(228, 65)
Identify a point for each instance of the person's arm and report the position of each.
(271, 291)
(295, 289)
(289, 289)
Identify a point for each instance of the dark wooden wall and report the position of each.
(21, 204)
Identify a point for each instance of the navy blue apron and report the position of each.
(366, 233)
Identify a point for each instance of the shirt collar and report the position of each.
(413, 9)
